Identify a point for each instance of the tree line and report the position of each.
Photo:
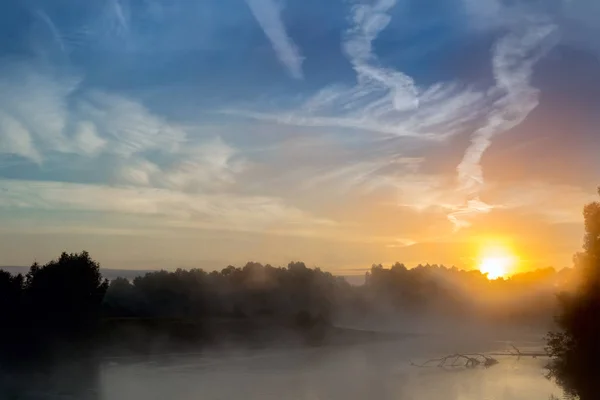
(66, 304)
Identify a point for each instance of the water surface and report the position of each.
(374, 371)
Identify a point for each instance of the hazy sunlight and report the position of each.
(496, 266)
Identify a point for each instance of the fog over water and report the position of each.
(376, 371)
(367, 371)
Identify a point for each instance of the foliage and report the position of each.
(455, 294)
(11, 292)
(57, 303)
(252, 291)
(575, 348)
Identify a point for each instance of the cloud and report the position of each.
(173, 208)
(401, 243)
(139, 173)
(55, 35)
(389, 103)
(514, 57)
(37, 118)
(37, 107)
(379, 92)
(412, 188)
(87, 138)
(117, 14)
(15, 139)
(369, 21)
(47, 118)
(207, 166)
(268, 15)
(384, 100)
(539, 198)
(443, 109)
(165, 171)
(43, 113)
(384, 103)
(127, 126)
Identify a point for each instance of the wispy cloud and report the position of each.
(384, 100)
(369, 21)
(442, 112)
(162, 169)
(204, 167)
(388, 102)
(384, 103)
(15, 139)
(174, 208)
(37, 107)
(539, 198)
(45, 118)
(268, 15)
(87, 138)
(513, 60)
(368, 176)
(53, 30)
(116, 10)
(127, 126)
(50, 119)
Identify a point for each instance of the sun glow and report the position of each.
(496, 267)
(496, 263)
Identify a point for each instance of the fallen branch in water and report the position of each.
(459, 360)
(472, 360)
(520, 354)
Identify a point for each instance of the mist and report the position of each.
(260, 331)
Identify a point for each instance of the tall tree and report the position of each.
(575, 349)
(11, 312)
(63, 298)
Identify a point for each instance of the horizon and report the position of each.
(113, 273)
(189, 133)
(358, 278)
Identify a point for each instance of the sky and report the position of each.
(185, 133)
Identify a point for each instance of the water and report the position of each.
(375, 371)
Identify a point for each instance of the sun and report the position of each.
(496, 266)
(496, 261)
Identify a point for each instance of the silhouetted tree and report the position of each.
(121, 299)
(63, 299)
(11, 288)
(576, 347)
(11, 312)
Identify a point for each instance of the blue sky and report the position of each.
(183, 133)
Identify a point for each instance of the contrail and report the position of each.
(514, 58)
(53, 29)
(369, 21)
(268, 15)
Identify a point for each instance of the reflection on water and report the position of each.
(364, 372)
